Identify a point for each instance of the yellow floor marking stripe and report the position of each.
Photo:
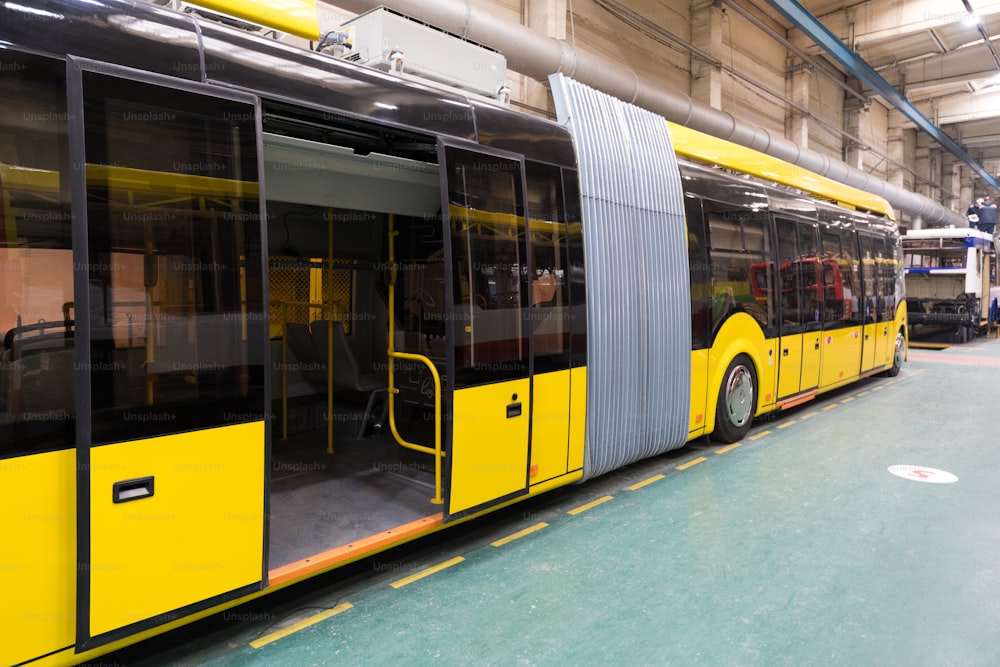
(878, 388)
(728, 448)
(592, 503)
(786, 424)
(304, 623)
(811, 414)
(864, 393)
(848, 399)
(639, 485)
(399, 583)
(830, 407)
(519, 534)
(691, 463)
(758, 436)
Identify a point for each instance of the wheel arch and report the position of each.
(736, 338)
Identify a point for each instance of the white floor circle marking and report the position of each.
(923, 474)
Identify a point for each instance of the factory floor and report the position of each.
(862, 528)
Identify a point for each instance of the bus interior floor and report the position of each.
(319, 501)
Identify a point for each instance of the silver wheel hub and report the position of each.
(739, 396)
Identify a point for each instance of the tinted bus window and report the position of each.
(577, 272)
(548, 268)
(491, 269)
(788, 283)
(700, 275)
(739, 240)
(178, 327)
(37, 411)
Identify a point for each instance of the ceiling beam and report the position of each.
(808, 24)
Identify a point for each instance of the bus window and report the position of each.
(870, 282)
(577, 277)
(547, 232)
(701, 277)
(491, 282)
(37, 411)
(739, 240)
(839, 267)
(178, 329)
(789, 280)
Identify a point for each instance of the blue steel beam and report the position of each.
(817, 32)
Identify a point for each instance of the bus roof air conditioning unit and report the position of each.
(395, 43)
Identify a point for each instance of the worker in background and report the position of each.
(987, 215)
(972, 213)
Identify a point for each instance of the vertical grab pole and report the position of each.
(329, 340)
(284, 371)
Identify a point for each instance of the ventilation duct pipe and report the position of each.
(538, 56)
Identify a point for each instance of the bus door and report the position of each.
(172, 338)
(796, 283)
(489, 337)
(873, 345)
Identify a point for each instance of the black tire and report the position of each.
(897, 356)
(737, 401)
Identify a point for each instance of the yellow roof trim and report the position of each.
(704, 147)
(296, 17)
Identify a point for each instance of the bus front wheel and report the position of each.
(737, 400)
(897, 356)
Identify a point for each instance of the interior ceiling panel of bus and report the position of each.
(310, 172)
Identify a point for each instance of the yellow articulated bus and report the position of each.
(266, 312)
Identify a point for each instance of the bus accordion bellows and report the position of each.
(266, 312)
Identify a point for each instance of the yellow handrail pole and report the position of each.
(392, 390)
(150, 328)
(284, 371)
(438, 454)
(329, 341)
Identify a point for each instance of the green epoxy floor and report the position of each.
(796, 548)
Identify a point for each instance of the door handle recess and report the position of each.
(514, 410)
(132, 489)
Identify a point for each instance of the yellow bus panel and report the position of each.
(489, 452)
(199, 535)
(577, 417)
(550, 425)
(38, 557)
(699, 393)
(841, 356)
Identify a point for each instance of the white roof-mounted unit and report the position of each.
(395, 43)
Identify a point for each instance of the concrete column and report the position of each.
(797, 123)
(549, 18)
(964, 197)
(853, 122)
(706, 34)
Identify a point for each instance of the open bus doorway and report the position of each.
(339, 478)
